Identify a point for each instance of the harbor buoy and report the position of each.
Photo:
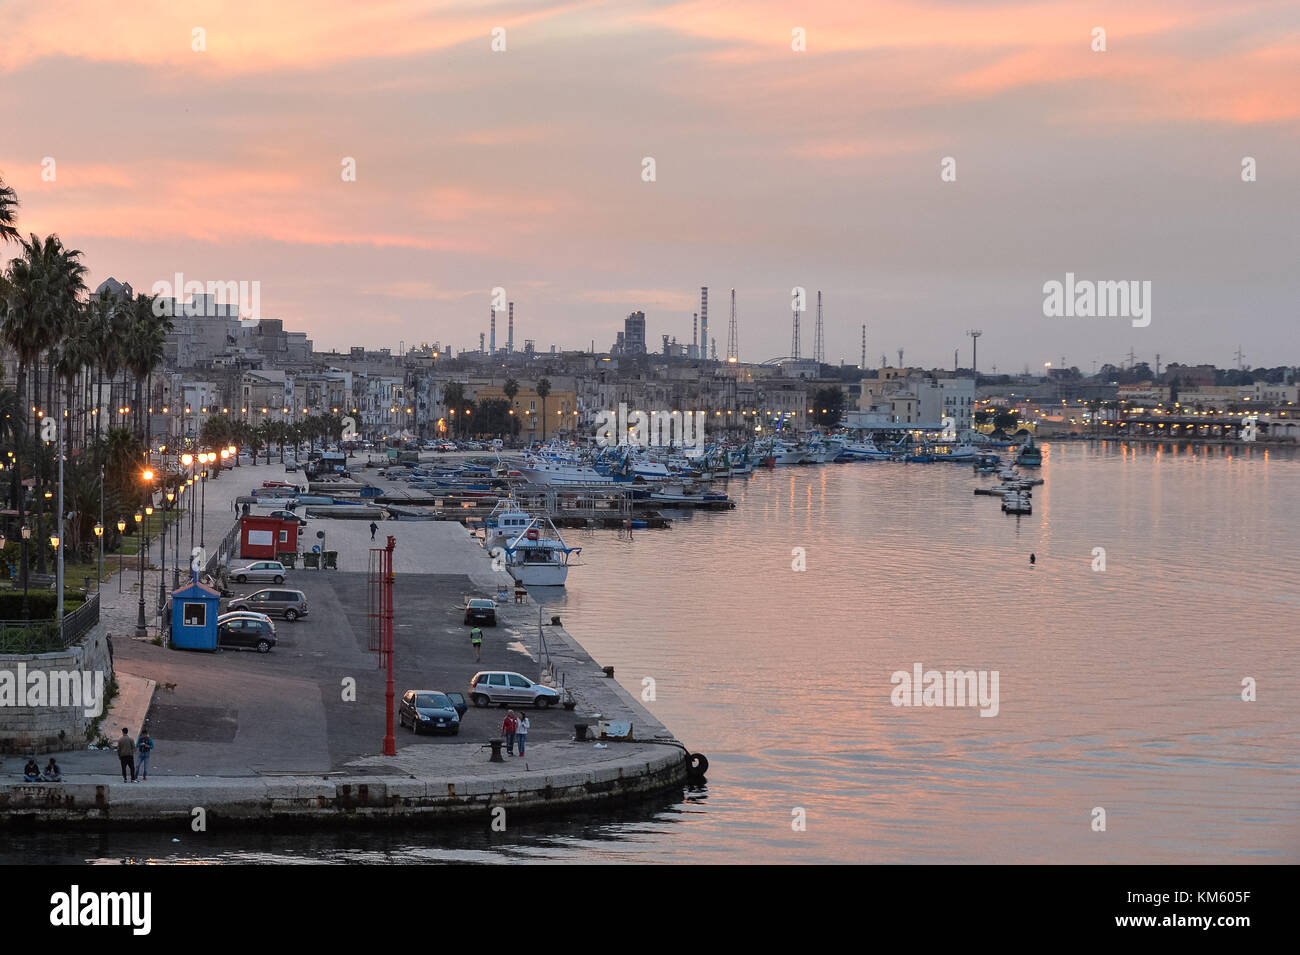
(697, 766)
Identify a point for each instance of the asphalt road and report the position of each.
(236, 712)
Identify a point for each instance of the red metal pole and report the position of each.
(390, 740)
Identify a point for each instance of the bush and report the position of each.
(39, 638)
(41, 604)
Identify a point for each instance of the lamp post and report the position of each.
(162, 570)
(99, 532)
(187, 460)
(141, 628)
(121, 560)
(176, 549)
(27, 533)
(203, 498)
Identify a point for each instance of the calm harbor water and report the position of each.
(1119, 689)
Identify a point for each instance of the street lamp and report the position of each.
(27, 534)
(203, 502)
(141, 628)
(99, 533)
(121, 564)
(170, 496)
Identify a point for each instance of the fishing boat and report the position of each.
(1017, 503)
(863, 451)
(1031, 455)
(987, 463)
(555, 471)
(690, 495)
(535, 552)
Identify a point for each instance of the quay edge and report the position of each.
(647, 771)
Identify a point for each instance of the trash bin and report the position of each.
(331, 560)
(310, 560)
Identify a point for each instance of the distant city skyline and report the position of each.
(222, 154)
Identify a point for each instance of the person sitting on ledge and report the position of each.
(52, 772)
(32, 772)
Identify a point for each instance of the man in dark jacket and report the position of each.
(126, 753)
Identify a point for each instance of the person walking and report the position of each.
(508, 727)
(476, 638)
(521, 730)
(373, 529)
(126, 753)
(144, 745)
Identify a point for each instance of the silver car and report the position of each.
(290, 604)
(271, 570)
(245, 615)
(499, 687)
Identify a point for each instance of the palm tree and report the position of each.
(453, 397)
(42, 289)
(144, 351)
(8, 208)
(77, 352)
(543, 389)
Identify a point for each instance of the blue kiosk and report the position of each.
(194, 617)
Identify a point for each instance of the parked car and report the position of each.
(291, 465)
(271, 570)
(243, 615)
(289, 604)
(428, 710)
(289, 516)
(481, 611)
(246, 633)
(497, 688)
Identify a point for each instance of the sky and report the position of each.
(210, 138)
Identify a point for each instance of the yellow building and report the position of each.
(560, 408)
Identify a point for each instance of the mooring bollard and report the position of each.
(496, 750)
(609, 672)
(580, 731)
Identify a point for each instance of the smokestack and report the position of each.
(510, 334)
(480, 341)
(493, 328)
(695, 333)
(704, 321)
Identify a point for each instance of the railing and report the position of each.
(42, 636)
(224, 551)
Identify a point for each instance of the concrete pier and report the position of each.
(295, 735)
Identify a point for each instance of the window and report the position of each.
(519, 682)
(194, 614)
(284, 537)
(497, 679)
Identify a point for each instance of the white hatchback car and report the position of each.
(271, 570)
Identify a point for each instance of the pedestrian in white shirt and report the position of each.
(521, 732)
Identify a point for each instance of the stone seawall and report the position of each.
(46, 728)
(639, 771)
